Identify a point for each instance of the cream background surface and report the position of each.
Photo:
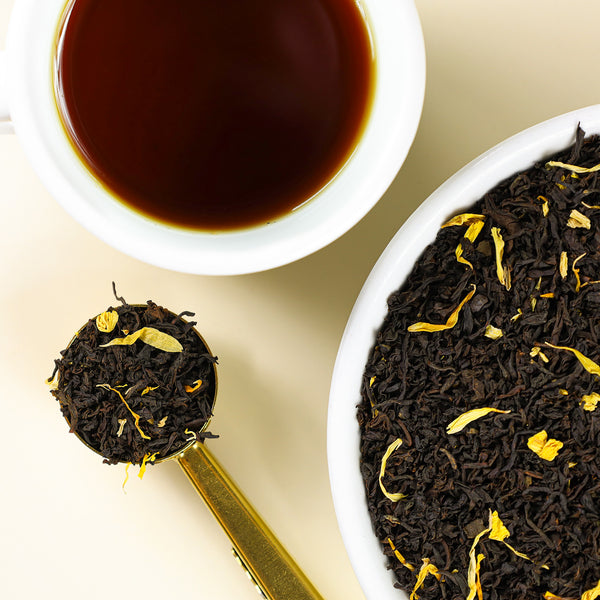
(67, 529)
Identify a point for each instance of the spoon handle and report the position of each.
(269, 565)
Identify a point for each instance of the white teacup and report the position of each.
(28, 107)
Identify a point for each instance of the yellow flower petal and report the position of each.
(498, 531)
(452, 319)
(493, 332)
(545, 205)
(147, 457)
(468, 417)
(152, 337)
(464, 219)
(192, 388)
(427, 568)
(563, 265)
(399, 556)
(502, 272)
(573, 168)
(546, 448)
(107, 321)
(393, 497)
(474, 562)
(149, 389)
(122, 423)
(577, 219)
(133, 414)
(590, 401)
(576, 272)
(551, 596)
(459, 257)
(588, 364)
(592, 594)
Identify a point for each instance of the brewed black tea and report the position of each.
(213, 114)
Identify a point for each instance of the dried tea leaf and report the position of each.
(107, 321)
(573, 168)
(563, 265)
(399, 556)
(588, 364)
(452, 319)
(195, 386)
(133, 414)
(393, 497)
(503, 273)
(590, 401)
(493, 332)
(546, 448)
(468, 417)
(592, 594)
(427, 568)
(464, 219)
(577, 219)
(152, 337)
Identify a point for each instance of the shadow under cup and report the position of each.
(214, 116)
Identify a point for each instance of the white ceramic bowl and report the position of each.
(26, 96)
(460, 191)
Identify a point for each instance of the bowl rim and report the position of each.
(456, 194)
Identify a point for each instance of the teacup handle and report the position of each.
(270, 567)
(6, 125)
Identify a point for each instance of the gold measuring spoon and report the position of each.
(270, 567)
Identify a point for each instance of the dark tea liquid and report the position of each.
(214, 114)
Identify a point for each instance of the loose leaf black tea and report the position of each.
(136, 384)
(479, 430)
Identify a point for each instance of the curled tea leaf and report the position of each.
(588, 364)
(546, 448)
(151, 336)
(468, 417)
(590, 401)
(107, 321)
(428, 568)
(451, 321)
(393, 497)
(399, 556)
(577, 219)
